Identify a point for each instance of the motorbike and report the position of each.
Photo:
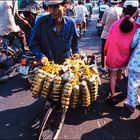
(80, 27)
(28, 67)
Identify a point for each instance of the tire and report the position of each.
(7, 61)
(43, 124)
(52, 123)
(62, 119)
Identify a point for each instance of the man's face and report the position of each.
(57, 11)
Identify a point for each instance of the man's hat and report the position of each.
(53, 2)
(115, 1)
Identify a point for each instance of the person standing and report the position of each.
(45, 12)
(117, 47)
(89, 6)
(102, 8)
(54, 35)
(110, 15)
(134, 73)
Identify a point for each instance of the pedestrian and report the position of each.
(8, 13)
(45, 12)
(134, 74)
(110, 15)
(54, 35)
(89, 6)
(81, 12)
(102, 8)
(117, 47)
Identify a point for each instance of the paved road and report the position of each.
(20, 113)
(103, 121)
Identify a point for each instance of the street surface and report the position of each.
(20, 113)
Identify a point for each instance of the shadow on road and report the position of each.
(106, 119)
(14, 85)
(116, 130)
(20, 123)
(101, 106)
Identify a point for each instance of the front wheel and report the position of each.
(43, 124)
(52, 123)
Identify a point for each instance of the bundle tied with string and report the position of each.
(73, 83)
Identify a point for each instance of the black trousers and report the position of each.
(102, 52)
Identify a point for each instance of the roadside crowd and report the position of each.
(121, 48)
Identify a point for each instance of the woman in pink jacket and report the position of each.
(117, 48)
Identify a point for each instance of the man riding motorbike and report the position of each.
(81, 13)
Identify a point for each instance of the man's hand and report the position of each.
(44, 60)
(76, 56)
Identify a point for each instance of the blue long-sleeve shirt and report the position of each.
(45, 41)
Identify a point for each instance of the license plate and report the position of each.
(24, 69)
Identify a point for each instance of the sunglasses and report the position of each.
(54, 6)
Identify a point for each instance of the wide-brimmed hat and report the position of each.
(53, 2)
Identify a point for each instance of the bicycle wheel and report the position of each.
(60, 124)
(7, 61)
(51, 126)
(43, 124)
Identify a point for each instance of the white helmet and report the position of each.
(52, 2)
(115, 1)
(133, 3)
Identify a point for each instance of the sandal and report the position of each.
(129, 107)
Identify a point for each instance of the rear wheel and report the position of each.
(7, 61)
